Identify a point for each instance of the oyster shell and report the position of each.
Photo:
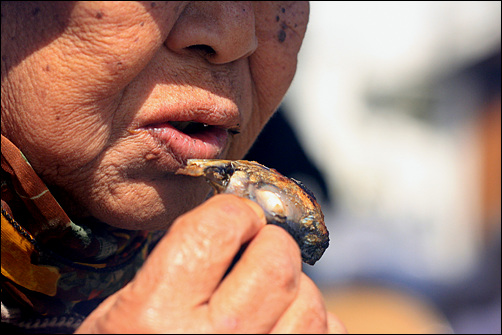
(286, 202)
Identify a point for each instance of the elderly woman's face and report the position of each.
(108, 99)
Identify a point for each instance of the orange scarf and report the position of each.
(54, 270)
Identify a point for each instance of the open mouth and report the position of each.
(191, 127)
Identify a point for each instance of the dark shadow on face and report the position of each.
(28, 26)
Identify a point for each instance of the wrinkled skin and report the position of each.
(81, 80)
(182, 288)
(88, 93)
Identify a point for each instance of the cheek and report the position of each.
(57, 131)
(280, 28)
(64, 97)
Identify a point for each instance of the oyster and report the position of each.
(286, 202)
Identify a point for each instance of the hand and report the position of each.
(182, 288)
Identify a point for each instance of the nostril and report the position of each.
(219, 31)
(206, 50)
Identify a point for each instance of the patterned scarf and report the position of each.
(55, 271)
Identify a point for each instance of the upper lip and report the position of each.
(227, 117)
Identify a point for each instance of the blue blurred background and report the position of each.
(393, 120)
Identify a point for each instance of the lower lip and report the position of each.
(206, 144)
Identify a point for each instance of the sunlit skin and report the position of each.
(78, 77)
(89, 94)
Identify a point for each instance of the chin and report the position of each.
(151, 208)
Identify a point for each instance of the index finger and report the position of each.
(190, 261)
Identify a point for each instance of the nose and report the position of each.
(223, 31)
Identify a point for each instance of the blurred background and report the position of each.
(393, 120)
